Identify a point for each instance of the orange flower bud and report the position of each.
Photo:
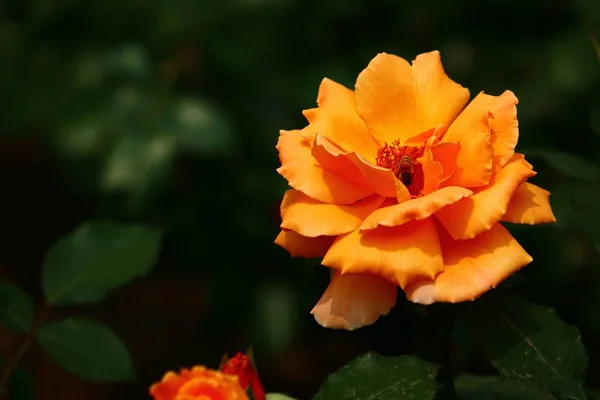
(199, 383)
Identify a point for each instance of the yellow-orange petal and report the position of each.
(302, 246)
(432, 169)
(311, 218)
(337, 120)
(529, 205)
(471, 216)
(304, 173)
(399, 101)
(472, 267)
(471, 130)
(401, 254)
(446, 154)
(439, 99)
(334, 159)
(416, 209)
(385, 98)
(352, 301)
(378, 179)
(502, 119)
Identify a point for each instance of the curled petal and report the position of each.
(334, 159)
(471, 130)
(311, 218)
(416, 209)
(471, 216)
(337, 120)
(446, 154)
(353, 301)
(472, 267)
(432, 170)
(380, 180)
(502, 119)
(302, 246)
(305, 174)
(398, 101)
(401, 254)
(529, 205)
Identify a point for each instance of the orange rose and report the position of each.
(401, 183)
(198, 383)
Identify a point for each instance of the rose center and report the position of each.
(403, 161)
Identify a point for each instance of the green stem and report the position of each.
(25, 346)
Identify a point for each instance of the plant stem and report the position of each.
(42, 315)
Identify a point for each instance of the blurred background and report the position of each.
(167, 113)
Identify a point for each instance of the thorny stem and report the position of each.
(25, 346)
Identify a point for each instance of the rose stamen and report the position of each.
(403, 161)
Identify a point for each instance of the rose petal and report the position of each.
(353, 301)
(337, 120)
(312, 218)
(302, 246)
(471, 130)
(502, 119)
(398, 101)
(470, 216)
(400, 254)
(529, 205)
(416, 209)
(380, 180)
(446, 154)
(385, 98)
(472, 267)
(432, 169)
(304, 173)
(439, 99)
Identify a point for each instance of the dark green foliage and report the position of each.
(16, 308)
(22, 385)
(88, 349)
(471, 387)
(95, 259)
(529, 343)
(375, 377)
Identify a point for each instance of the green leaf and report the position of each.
(570, 165)
(138, 164)
(529, 343)
(21, 385)
(18, 311)
(95, 259)
(375, 377)
(199, 126)
(88, 349)
(472, 387)
(278, 396)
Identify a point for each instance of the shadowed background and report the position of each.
(167, 113)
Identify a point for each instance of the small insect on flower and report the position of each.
(406, 171)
